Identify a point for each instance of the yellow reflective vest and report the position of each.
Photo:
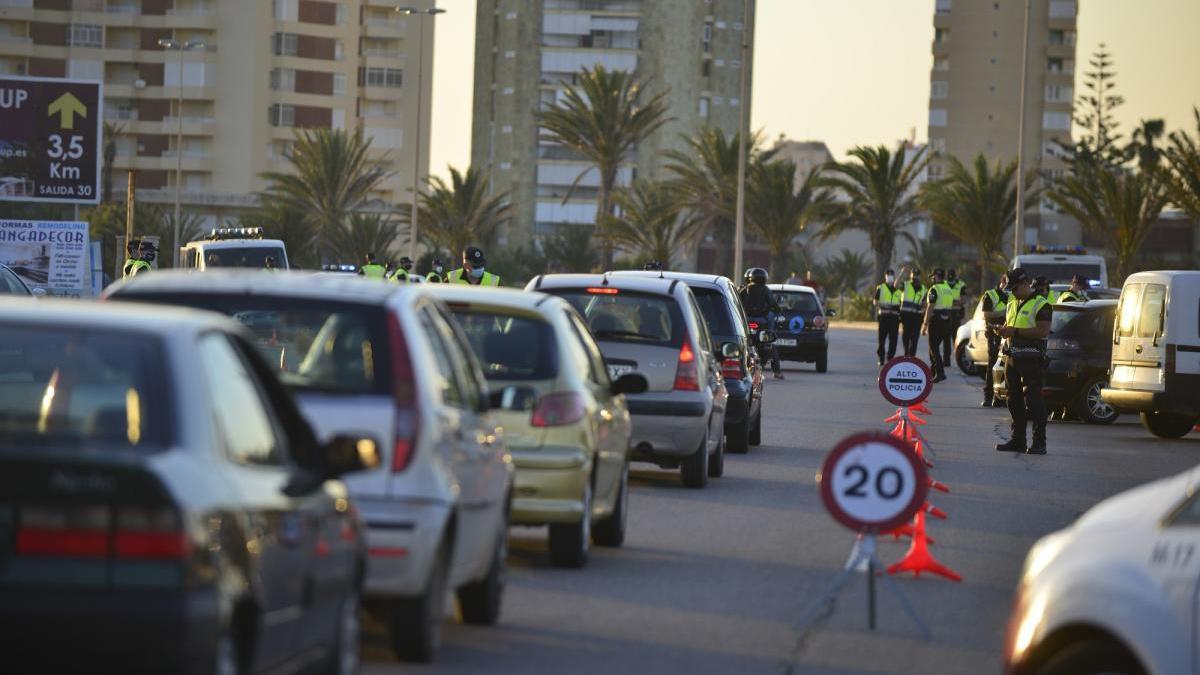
(374, 271)
(912, 297)
(133, 267)
(945, 297)
(1023, 314)
(459, 276)
(889, 299)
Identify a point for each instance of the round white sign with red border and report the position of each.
(905, 381)
(872, 482)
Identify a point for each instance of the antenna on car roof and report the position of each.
(604, 281)
(661, 274)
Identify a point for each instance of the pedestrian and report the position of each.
(1026, 325)
(1077, 292)
(400, 276)
(138, 260)
(474, 270)
(371, 269)
(911, 310)
(794, 279)
(939, 304)
(992, 305)
(887, 315)
(436, 275)
(958, 287)
(814, 284)
(760, 304)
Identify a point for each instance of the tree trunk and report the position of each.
(604, 210)
(883, 250)
(779, 264)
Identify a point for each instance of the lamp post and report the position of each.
(179, 46)
(739, 226)
(1019, 226)
(416, 186)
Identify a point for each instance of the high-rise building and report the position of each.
(528, 51)
(265, 69)
(975, 91)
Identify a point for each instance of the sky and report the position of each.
(856, 72)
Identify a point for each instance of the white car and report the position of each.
(1118, 591)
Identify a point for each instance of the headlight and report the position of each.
(1042, 554)
(1027, 623)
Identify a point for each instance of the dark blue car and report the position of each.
(800, 326)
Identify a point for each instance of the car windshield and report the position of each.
(1061, 272)
(247, 256)
(716, 311)
(510, 347)
(615, 315)
(796, 301)
(66, 385)
(317, 345)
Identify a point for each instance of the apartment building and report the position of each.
(258, 70)
(975, 90)
(528, 51)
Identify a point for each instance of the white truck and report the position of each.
(233, 247)
(1059, 265)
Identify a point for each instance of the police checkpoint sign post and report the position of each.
(905, 381)
(50, 140)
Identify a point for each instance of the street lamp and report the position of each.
(416, 188)
(739, 228)
(180, 46)
(1019, 226)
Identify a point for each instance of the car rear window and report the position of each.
(1063, 318)
(615, 315)
(317, 345)
(70, 386)
(716, 310)
(247, 256)
(510, 347)
(797, 301)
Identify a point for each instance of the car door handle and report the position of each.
(1138, 349)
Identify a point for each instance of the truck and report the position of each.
(233, 247)
(1059, 265)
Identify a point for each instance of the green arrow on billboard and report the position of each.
(67, 107)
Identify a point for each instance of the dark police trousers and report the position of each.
(912, 331)
(940, 336)
(993, 351)
(1025, 375)
(889, 330)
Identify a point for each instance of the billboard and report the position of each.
(50, 140)
(53, 255)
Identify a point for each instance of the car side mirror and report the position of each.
(347, 453)
(764, 337)
(731, 350)
(630, 383)
(830, 312)
(514, 398)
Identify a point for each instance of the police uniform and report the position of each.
(1023, 371)
(940, 299)
(994, 300)
(475, 257)
(887, 315)
(958, 313)
(911, 315)
(1071, 296)
(434, 278)
(134, 267)
(373, 271)
(400, 276)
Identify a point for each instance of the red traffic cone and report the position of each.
(921, 408)
(906, 530)
(936, 485)
(917, 420)
(934, 511)
(919, 559)
(895, 416)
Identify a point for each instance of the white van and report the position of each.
(233, 247)
(1059, 267)
(1156, 352)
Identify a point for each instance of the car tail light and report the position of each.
(558, 409)
(687, 376)
(408, 418)
(753, 325)
(732, 369)
(154, 533)
(603, 290)
(818, 322)
(69, 532)
(1169, 361)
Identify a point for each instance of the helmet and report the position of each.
(756, 275)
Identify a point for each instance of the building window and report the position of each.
(1054, 65)
(1057, 37)
(941, 35)
(382, 77)
(937, 117)
(286, 10)
(703, 107)
(1062, 9)
(339, 50)
(708, 29)
(282, 115)
(935, 171)
(937, 145)
(1058, 92)
(340, 15)
(86, 35)
(339, 83)
(943, 6)
(285, 44)
(283, 79)
(941, 63)
(1060, 121)
(939, 89)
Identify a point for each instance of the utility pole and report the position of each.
(739, 228)
(416, 184)
(180, 47)
(1019, 226)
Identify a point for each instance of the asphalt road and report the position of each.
(716, 580)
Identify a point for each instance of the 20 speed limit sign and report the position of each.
(872, 482)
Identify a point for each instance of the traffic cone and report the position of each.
(895, 416)
(919, 559)
(934, 511)
(917, 420)
(906, 530)
(921, 408)
(937, 485)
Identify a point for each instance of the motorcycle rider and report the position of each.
(759, 304)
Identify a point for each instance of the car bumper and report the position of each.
(808, 347)
(667, 429)
(110, 631)
(549, 484)
(1177, 397)
(737, 407)
(403, 536)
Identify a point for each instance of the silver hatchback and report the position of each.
(654, 327)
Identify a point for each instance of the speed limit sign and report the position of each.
(872, 482)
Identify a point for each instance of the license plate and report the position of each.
(785, 342)
(615, 372)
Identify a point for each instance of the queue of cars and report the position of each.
(369, 446)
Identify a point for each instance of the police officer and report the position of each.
(400, 276)
(653, 266)
(140, 255)
(759, 303)
(887, 314)
(1026, 325)
(269, 264)
(474, 270)
(1041, 286)
(958, 312)
(993, 306)
(912, 296)
(437, 274)
(371, 269)
(939, 303)
(1077, 292)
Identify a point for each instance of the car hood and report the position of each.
(1143, 506)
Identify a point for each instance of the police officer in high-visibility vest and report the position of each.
(140, 255)
(887, 314)
(911, 311)
(1077, 292)
(939, 302)
(269, 264)
(371, 269)
(992, 305)
(400, 276)
(436, 275)
(1026, 325)
(958, 312)
(474, 270)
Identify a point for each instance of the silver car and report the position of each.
(388, 359)
(654, 327)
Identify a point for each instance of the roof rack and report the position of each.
(339, 268)
(1067, 250)
(219, 233)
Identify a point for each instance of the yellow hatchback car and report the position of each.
(565, 423)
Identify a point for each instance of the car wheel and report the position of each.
(823, 362)
(716, 463)
(570, 542)
(963, 359)
(415, 624)
(1092, 657)
(1090, 408)
(611, 530)
(344, 656)
(694, 469)
(756, 430)
(738, 437)
(1167, 425)
(479, 601)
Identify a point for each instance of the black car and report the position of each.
(800, 327)
(1078, 353)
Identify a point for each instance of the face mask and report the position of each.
(438, 269)
(477, 272)
(889, 278)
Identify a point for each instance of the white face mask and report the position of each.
(889, 278)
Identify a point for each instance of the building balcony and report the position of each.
(165, 162)
(192, 197)
(385, 28)
(122, 90)
(192, 126)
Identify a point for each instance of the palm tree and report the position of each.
(603, 118)
(1142, 147)
(649, 223)
(365, 233)
(331, 178)
(779, 211)
(928, 255)
(1120, 206)
(1183, 158)
(460, 213)
(877, 186)
(570, 249)
(843, 274)
(977, 205)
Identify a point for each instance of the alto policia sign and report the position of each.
(49, 140)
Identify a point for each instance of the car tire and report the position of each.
(611, 530)
(756, 430)
(737, 437)
(823, 362)
(479, 601)
(1090, 408)
(344, 655)
(1092, 657)
(694, 469)
(716, 463)
(570, 543)
(963, 359)
(415, 624)
(1167, 425)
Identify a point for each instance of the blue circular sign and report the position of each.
(796, 324)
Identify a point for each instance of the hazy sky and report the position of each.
(852, 72)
